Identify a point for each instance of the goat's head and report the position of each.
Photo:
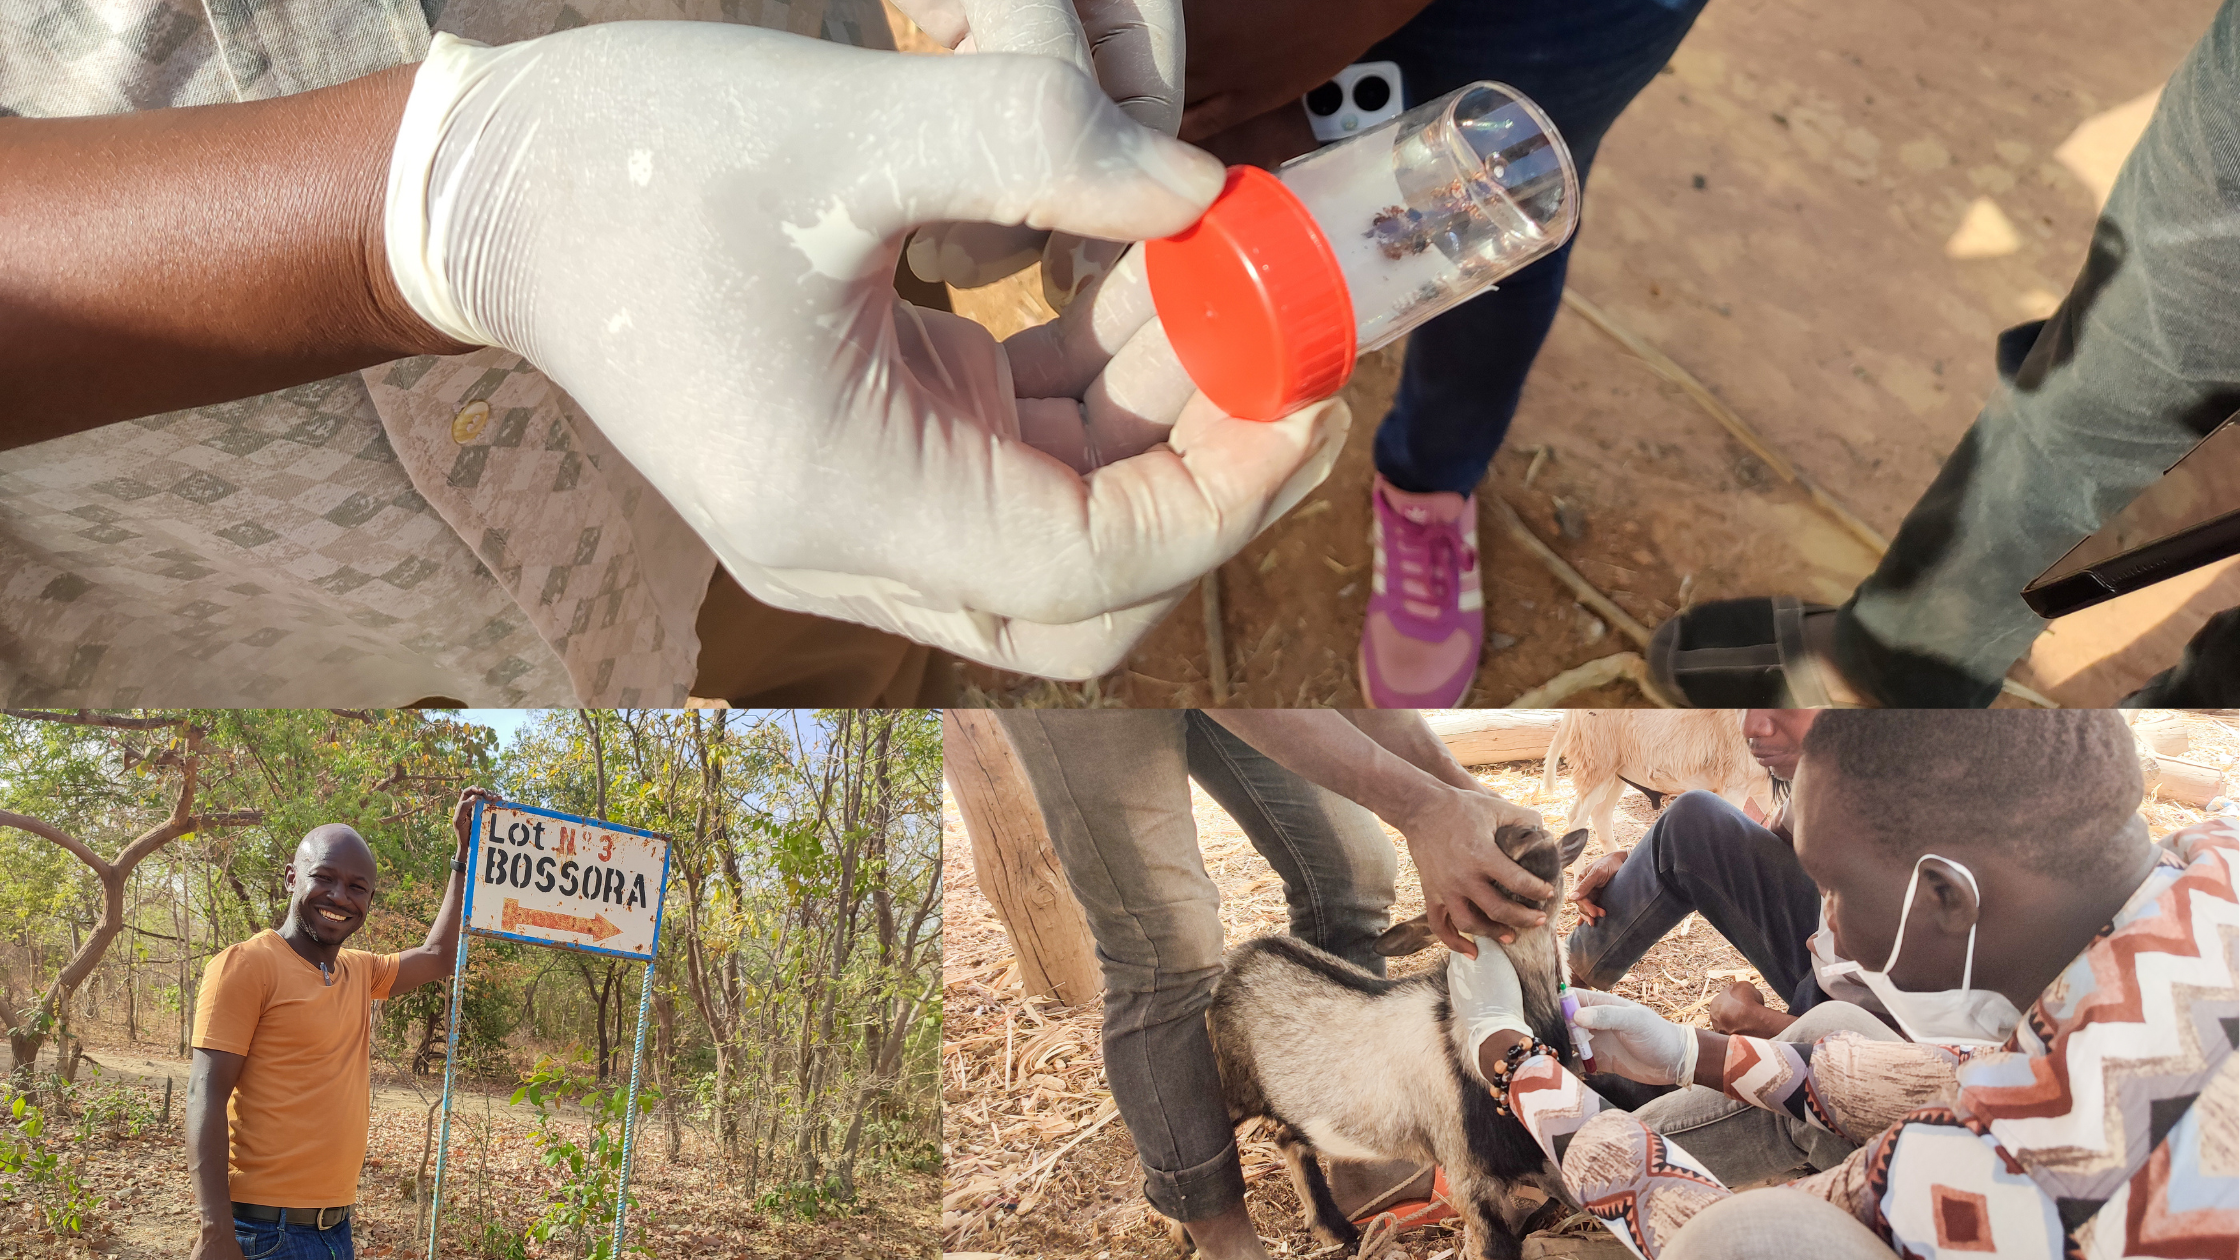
(1536, 952)
(1532, 848)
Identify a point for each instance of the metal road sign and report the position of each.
(555, 879)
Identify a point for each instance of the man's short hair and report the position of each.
(2053, 788)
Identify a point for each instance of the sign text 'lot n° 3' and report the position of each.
(555, 879)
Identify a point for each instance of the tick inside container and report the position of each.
(1268, 299)
(1438, 204)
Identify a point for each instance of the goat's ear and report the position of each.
(1574, 844)
(1407, 938)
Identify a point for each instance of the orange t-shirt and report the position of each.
(299, 1111)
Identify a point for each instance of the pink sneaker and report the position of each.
(1427, 621)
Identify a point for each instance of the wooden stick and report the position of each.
(1217, 652)
(1569, 576)
(1587, 677)
(1663, 366)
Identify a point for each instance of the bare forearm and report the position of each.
(206, 1145)
(443, 934)
(1324, 748)
(436, 954)
(178, 257)
(1711, 1059)
(1404, 734)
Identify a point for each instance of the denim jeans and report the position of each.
(1115, 793)
(1775, 1223)
(1582, 62)
(2141, 360)
(1704, 855)
(1742, 1144)
(271, 1240)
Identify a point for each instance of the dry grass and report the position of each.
(1038, 1163)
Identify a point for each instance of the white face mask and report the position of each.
(1838, 976)
(1947, 1017)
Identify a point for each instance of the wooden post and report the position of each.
(1013, 860)
(2177, 779)
(1486, 737)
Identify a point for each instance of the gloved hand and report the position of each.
(1133, 48)
(1634, 1041)
(692, 228)
(1485, 994)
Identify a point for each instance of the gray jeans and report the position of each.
(1114, 788)
(2140, 362)
(1775, 1224)
(1742, 1144)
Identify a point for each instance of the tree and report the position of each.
(180, 753)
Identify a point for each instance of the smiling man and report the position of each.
(283, 1033)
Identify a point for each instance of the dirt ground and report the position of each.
(1038, 1163)
(494, 1182)
(1825, 214)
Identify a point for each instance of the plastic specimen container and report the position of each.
(1289, 277)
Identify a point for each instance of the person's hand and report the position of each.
(462, 816)
(1450, 835)
(216, 1242)
(1741, 1009)
(1485, 993)
(691, 227)
(1583, 893)
(1248, 57)
(1634, 1041)
(1133, 48)
(1736, 1008)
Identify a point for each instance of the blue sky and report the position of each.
(504, 721)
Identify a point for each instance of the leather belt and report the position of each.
(317, 1218)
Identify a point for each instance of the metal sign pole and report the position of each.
(630, 1110)
(451, 1047)
(450, 1064)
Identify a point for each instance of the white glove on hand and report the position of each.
(1485, 994)
(1133, 48)
(692, 228)
(1634, 1041)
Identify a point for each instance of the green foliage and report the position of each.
(581, 1213)
(28, 1153)
(809, 1200)
(114, 1111)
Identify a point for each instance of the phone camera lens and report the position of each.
(1325, 100)
(1371, 93)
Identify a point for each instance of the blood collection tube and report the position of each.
(1289, 277)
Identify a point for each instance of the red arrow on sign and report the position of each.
(597, 928)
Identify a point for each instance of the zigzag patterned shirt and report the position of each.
(2108, 1126)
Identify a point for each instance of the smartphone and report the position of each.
(1361, 96)
(2188, 519)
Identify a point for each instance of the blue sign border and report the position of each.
(474, 855)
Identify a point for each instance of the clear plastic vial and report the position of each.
(1288, 278)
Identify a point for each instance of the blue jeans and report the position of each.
(2140, 361)
(1114, 789)
(1704, 855)
(271, 1240)
(1582, 62)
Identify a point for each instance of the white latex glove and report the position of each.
(692, 227)
(1134, 50)
(1485, 994)
(1634, 1041)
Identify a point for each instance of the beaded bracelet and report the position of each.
(1502, 1071)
